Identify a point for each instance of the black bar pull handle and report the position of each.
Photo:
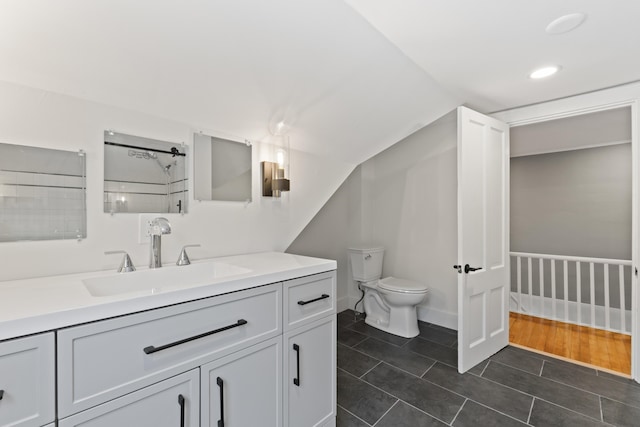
(221, 385)
(1, 394)
(324, 296)
(181, 403)
(151, 349)
(296, 380)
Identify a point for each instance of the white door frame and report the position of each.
(591, 103)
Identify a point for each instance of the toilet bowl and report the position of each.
(389, 303)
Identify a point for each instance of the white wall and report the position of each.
(405, 200)
(38, 118)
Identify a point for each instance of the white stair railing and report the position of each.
(544, 302)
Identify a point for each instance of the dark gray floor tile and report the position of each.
(354, 362)
(544, 388)
(481, 390)
(361, 399)
(403, 415)
(618, 378)
(345, 419)
(619, 414)
(578, 369)
(370, 331)
(548, 414)
(516, 359)
(349, 337)
(570, 375)
(440, 328)
(477, 370)
(474, 415)
(435, 351)
(346, 318)
(437, 335)
(397, 356)
(422, 394)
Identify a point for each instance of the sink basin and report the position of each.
(158, 280)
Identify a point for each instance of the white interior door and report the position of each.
(483, 237)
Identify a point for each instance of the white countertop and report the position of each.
(30, 306)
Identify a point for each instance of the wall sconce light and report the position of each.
(274, 173)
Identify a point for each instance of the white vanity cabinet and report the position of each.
(244, 388)
(173, 402)
(226, 360)
(310, 351)
(27, 381)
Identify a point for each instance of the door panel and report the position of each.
(483, 232)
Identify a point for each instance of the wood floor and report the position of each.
(606, 350)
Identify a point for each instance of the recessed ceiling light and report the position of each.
(543, 72)
(566, 23)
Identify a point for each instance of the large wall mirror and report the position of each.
(222, 169)
(42, 194)
(143, 175)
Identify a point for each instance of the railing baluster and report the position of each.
(607, 313)
(553, 288)
(600, 313)
(565, 271)
(623, 317)
(541, 296)
(579, 292)
(519, 278)
(530, 283)
(592, 295)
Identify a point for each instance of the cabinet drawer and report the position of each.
(170, 403)
(27, 381)
(309, 298)
(103, 360)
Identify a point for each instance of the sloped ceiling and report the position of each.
(349, 78)
(483, 51)
(235, 67)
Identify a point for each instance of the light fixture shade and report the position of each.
(276, 170)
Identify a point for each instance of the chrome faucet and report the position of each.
(157, 227)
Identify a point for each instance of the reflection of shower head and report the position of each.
(166, 169)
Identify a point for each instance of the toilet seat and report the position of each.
(393, 284)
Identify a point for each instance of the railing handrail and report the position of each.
(572, 258)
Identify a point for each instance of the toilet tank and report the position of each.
(366, 263)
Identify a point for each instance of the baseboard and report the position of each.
(343, 303)
(438, 317)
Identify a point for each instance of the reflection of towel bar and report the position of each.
(174, 151)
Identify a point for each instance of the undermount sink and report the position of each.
(158, 280)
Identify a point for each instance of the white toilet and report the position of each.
(389, 303)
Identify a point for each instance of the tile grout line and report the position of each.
(352, 414)
(541, 368)
(376, 365)
(428, 369)
(459, 410)
(484, 369)
(531, 410)
(388, 410)
(601, 413)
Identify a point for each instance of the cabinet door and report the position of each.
(173, 402)
(27, 381)
(245, 388)
(310, 374)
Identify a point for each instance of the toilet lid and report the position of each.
(402, 285)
